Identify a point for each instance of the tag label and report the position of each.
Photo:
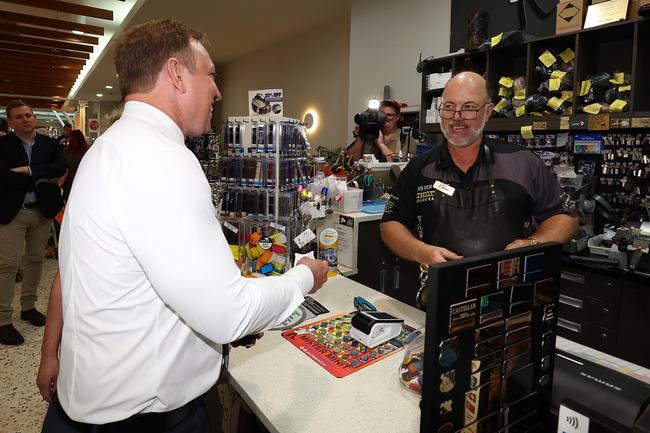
(444, 188)
(570, 421)
(462, 316)
(304, 238)
(230, 227)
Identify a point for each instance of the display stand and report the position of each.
(490, 342)
(264, 164)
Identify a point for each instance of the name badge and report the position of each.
(444, 188)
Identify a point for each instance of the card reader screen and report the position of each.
(381, 315)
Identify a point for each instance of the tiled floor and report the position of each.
(21, 407)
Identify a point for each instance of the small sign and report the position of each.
(598, 122)
(564, 122)
(527, 131)
(444, 188)
(539, 126)
(641, 122)
(577, 123)
(570, 421)
(619, 123)
(265, 101)
(304, 238)
(93, 125)
(606, 12)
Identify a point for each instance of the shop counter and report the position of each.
(289, 392)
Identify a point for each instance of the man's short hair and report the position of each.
(392, 104)
(16, 103)
(141, 52)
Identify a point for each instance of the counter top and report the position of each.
(289, 392)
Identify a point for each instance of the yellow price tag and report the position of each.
(501, 105)
(617, 106)
(554, 103)
(547, 58)
(566, 94)
(520, 94)
(520, 111)
(527, 132)
(585, 87)
(554, 84)
(496, 39)
(625, 88)
(505, 92)
(536, 114)
(592, 108)
(619, 78)
(506, 82)
(567, 55)
(558, 74)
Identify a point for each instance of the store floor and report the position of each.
(21, 407)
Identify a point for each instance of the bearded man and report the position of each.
(471, 195)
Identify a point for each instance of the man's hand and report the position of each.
(432, 254)
(247, 341)
(48, 372)
(319, 269)
(520, 243)
(23, 169)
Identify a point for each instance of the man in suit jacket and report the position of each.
(29, 198)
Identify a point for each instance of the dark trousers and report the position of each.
(56, 421)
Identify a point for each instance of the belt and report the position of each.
(145, 422)
(30, 205)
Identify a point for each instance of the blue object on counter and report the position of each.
(361, 304)
(373, 207)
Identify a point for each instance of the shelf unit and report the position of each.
(618, 46)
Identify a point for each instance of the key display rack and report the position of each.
(583, 95)
(490, 342)
(265, 161)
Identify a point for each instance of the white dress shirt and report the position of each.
(150, 289)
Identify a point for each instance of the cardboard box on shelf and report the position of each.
(634, 8)
(569, 15)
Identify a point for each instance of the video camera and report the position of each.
(370, 122)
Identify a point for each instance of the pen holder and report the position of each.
(352, 200)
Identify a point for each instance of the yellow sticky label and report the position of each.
(564, 122)
(527, 132)
(617, 106)
(520, 94)
(505, 92)
(558, 74)
(496, 39)
(584, 87)
(547, 58)
(554, 103)
(625, 88)
(567, 55)
(554, 84)
(566, 94)
(536, 114)
(506, 82)
(619, 78)
(592, 108)
(501, 105)
(520, 111)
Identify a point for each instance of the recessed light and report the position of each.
(77, 32)
(109, 87)
(99, 95)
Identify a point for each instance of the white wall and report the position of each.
(386, 39)
(311, 68)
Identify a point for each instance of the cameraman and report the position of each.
(388, 142)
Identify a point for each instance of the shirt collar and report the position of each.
(445, 161)
(31, 141)
(139, 109)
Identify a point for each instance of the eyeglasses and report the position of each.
(390, 114)
(465, 113)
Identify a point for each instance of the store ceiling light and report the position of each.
(99, 95)
(109, 87)
(310, 118)
(77, 32)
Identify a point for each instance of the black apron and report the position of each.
(476, 219)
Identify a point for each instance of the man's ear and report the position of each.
(174, 70)
(489, 108)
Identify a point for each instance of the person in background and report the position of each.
(145, 326)
(30, 163)
(74, 151)
(63, 138)
(4, 127)
(470, 196)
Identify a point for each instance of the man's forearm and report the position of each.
(401, 241)
(558, 228)
(54, 321)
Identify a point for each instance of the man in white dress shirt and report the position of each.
(149, 288)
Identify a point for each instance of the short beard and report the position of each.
(471, 139)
